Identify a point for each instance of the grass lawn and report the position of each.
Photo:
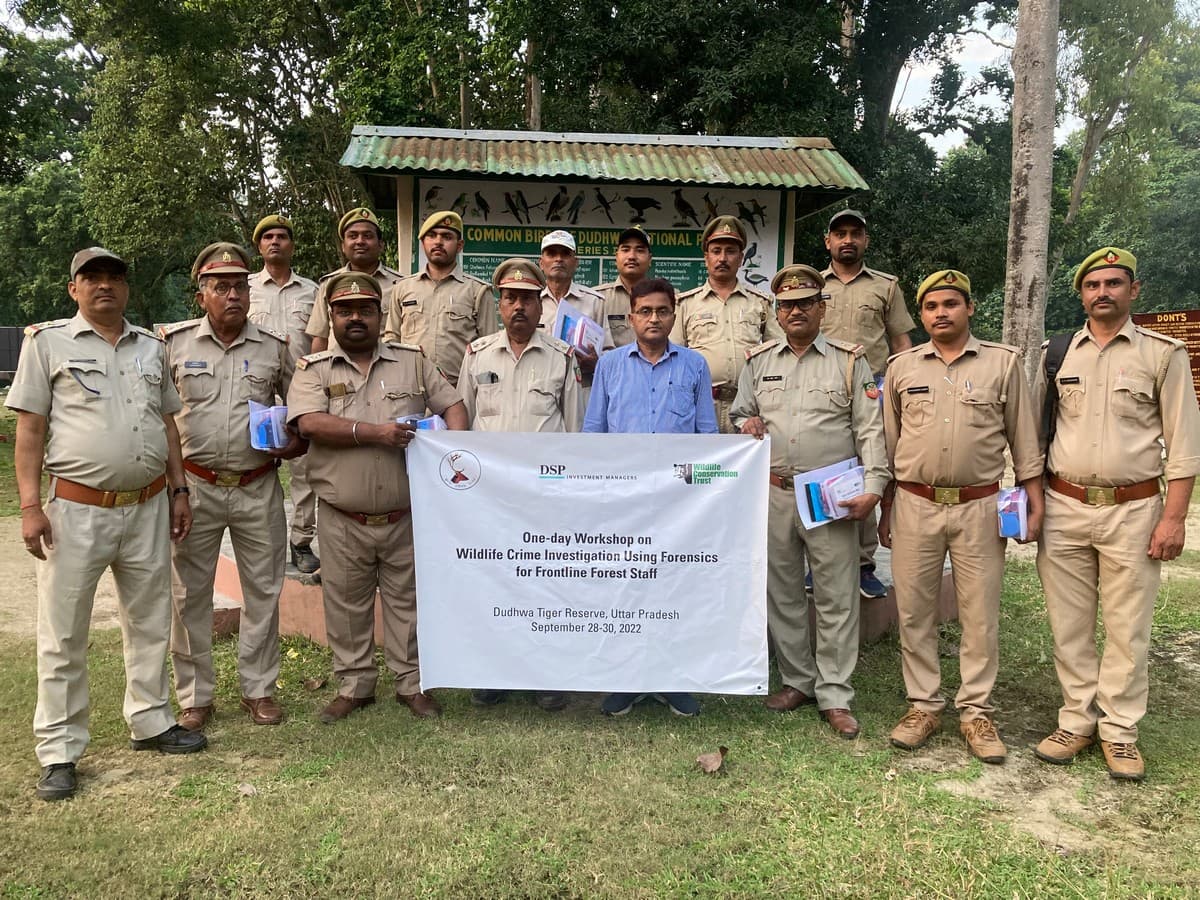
(511, 801)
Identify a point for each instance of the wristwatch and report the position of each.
(180, 490)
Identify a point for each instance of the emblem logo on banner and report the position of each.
(460, 470)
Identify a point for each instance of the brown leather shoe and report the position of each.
(842, 722)
(263, 710)
(342, 707)
(914, 729)
(788, 698)
(194, 718)
(983, 741)
(1124, 761)
(1061, 747)
(420, 705)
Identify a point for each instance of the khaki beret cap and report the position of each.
(221, 258)
(358, 214)
(518, 274)
(445, 219)
(266, 223)
(950, 279)
(1106, 258)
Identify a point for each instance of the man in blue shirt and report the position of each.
(649, 387)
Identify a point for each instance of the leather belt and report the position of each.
(1103, 496)
(787, 482)
(387, 518)
(724, 392)
(949, 495)
(229, 479)
(81, 493)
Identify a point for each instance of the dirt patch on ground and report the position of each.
(18, 592)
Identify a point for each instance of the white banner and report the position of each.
(591, 562)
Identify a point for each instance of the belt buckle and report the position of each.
(228, 479)
(127, 498)
(1100, 496)
(947, 495)
(376, 520)
(787, 482)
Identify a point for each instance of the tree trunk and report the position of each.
(533, 89)
(1034, 59)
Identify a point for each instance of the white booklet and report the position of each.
(572, 326)
(841, 479)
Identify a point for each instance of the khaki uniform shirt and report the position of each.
(815, 407)
(399, 382)
(618, 330)
(318, 324)
(867, 310)
(284, 308)
(105, 404)
(949, 425)
(723, 330)
(440, 317)
(541, 391)
(1115, 406)
(216, 383)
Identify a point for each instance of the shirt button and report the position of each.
(135, 428)
(947, 421)
(128, 400)
(138, 458)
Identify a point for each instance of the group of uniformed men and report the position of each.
(114, 414)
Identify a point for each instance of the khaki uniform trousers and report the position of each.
(134, 542)
(922, 533)
(257, 527)
(304, 503)
(355, 561)
(1089, 557)
(833, 556)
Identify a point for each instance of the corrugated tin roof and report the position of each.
(781, 162)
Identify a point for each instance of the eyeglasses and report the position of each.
(225, 288)
(806, 304)
(646, 312)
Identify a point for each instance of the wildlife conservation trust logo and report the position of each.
(460, 470)
(702, 473)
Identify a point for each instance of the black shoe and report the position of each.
(174, 740)
(550, 701)
(58, 782)
(304, 559)
(488, 698)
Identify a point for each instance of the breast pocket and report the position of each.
(413, 320)
(1133, 398)
(403, 403)
(703, 332)
(460, 321)
(196, 385)
(88, 379)
(257, 384)
(543, 398)
(748, 327)
(916, 410)
(489, 398)
(833, 399)
(869, 313)
(146, 379)
(1071, 397)
(771, 396)
(981, 408)
(681, 400)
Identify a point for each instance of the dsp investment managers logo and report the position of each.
(460, 470)
(703, 473)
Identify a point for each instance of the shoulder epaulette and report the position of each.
(482, 343)
(475, 278)
(914, 349)
(561, 346)
(271, 332)
(1174, 342)
(146, 331)
(165, 331)
(329, 275)
(398, 345)
(305, 361)
(303, 279)
(693, 292)
(856, 349)
(392, 273)
(607, 286)
(888, 275)
(755, 292)
(31, 330)
(1008, 347)
(762, 348)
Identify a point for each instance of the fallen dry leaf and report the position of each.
(314, 684)
(711, 762)
(246, 789)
